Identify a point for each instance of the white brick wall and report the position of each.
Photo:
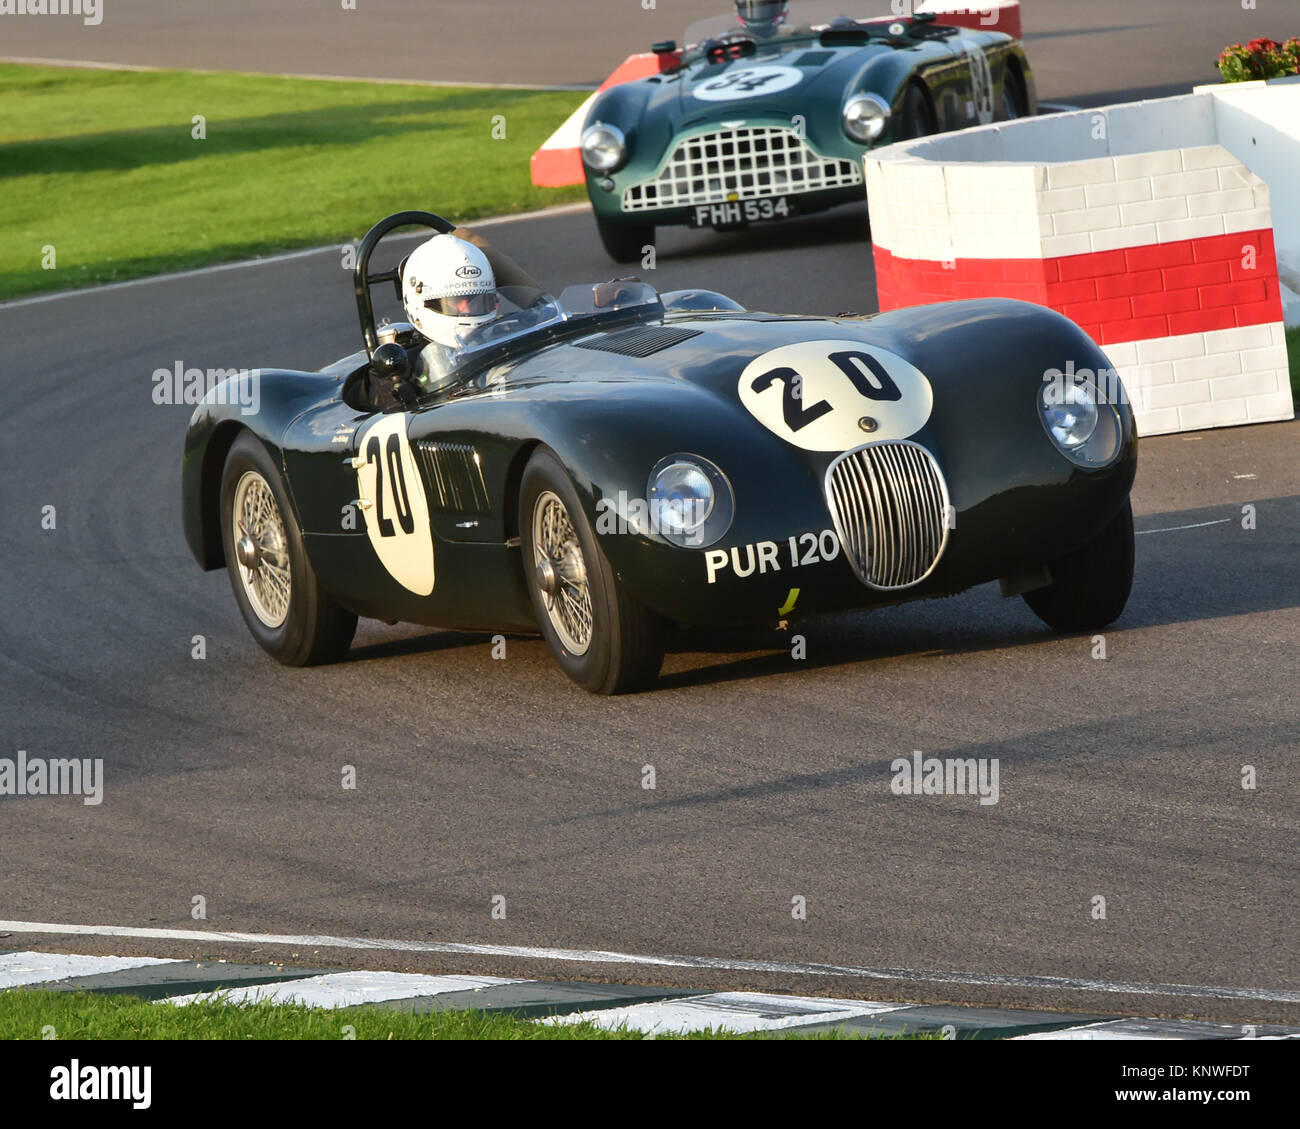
(1217, 379)
(1095, 181)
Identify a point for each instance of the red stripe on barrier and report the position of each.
(1193, 286)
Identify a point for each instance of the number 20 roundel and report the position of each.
(836, 395)
(397, 520)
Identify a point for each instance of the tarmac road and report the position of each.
(1119, 778)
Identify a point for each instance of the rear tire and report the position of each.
(1015, 99)
(603, 639)
(282, 602)
(1091, 585)
(626, 242)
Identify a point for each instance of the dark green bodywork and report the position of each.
(657, 113)
(611, 417)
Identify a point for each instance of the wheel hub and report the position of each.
(548, 577)
(248, 553)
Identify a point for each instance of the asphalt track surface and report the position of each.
(476, 777)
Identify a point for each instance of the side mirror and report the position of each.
(667, 47)
(390, 363)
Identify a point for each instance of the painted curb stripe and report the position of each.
(19, 970)
(740, 1012)
(347, 989)
(610, 1006)
(1138, 293)
(596, 956)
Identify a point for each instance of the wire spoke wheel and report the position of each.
(562, 573)
(261, 549)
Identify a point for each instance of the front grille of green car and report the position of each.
(747, 163)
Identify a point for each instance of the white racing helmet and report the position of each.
(448, 288)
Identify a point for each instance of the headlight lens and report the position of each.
(690, 500)
(603, 147)
(1070, 412)
(865, 117)
(1082, 422)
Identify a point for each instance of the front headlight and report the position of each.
(691, 503)
(1083, 424)
(865, 117)
(603, 147)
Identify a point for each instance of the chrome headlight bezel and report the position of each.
(696, 526)
(606, 160)
(865, 118)
(1100, 432)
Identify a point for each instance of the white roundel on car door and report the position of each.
(747, 82)
(396, 511)
(981, 79)
(836, 395)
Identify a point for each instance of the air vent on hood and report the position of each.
(814, 58)
(641, 341)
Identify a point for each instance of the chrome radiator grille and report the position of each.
(746, 163)
(889, 503)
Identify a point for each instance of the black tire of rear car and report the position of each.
(627, 640)
(316, 630)
(916, 119)
(626, 242)
(1015, 98)
(1091, 585)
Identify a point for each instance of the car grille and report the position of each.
(453, 477)
(889, 503)
(748, 163)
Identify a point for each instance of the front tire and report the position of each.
(276, 589)
(602, 638)
(626, 242)
(916, 119)
(1091, 585)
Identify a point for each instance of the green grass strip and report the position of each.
(103, 165)
(1293, 353)
(30, 1014)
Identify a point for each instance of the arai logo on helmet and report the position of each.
(469, 271)
(836, 395)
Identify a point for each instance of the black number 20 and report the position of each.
(392, 454)
(874, 383)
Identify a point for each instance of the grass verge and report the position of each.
(1293, 352)
(28, 1014)
(103, 166)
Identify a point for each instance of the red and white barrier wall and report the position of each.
(1144, 223)
(558, 163)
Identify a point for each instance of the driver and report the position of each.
(762, 17)
(449, 290)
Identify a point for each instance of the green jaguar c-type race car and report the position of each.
(760, 119)
(612, 462)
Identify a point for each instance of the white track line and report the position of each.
(90, 64)
(18, 969)
(244, 264)
(731, 1011)
(597, 956)
(1176, 528)
(347, 989)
